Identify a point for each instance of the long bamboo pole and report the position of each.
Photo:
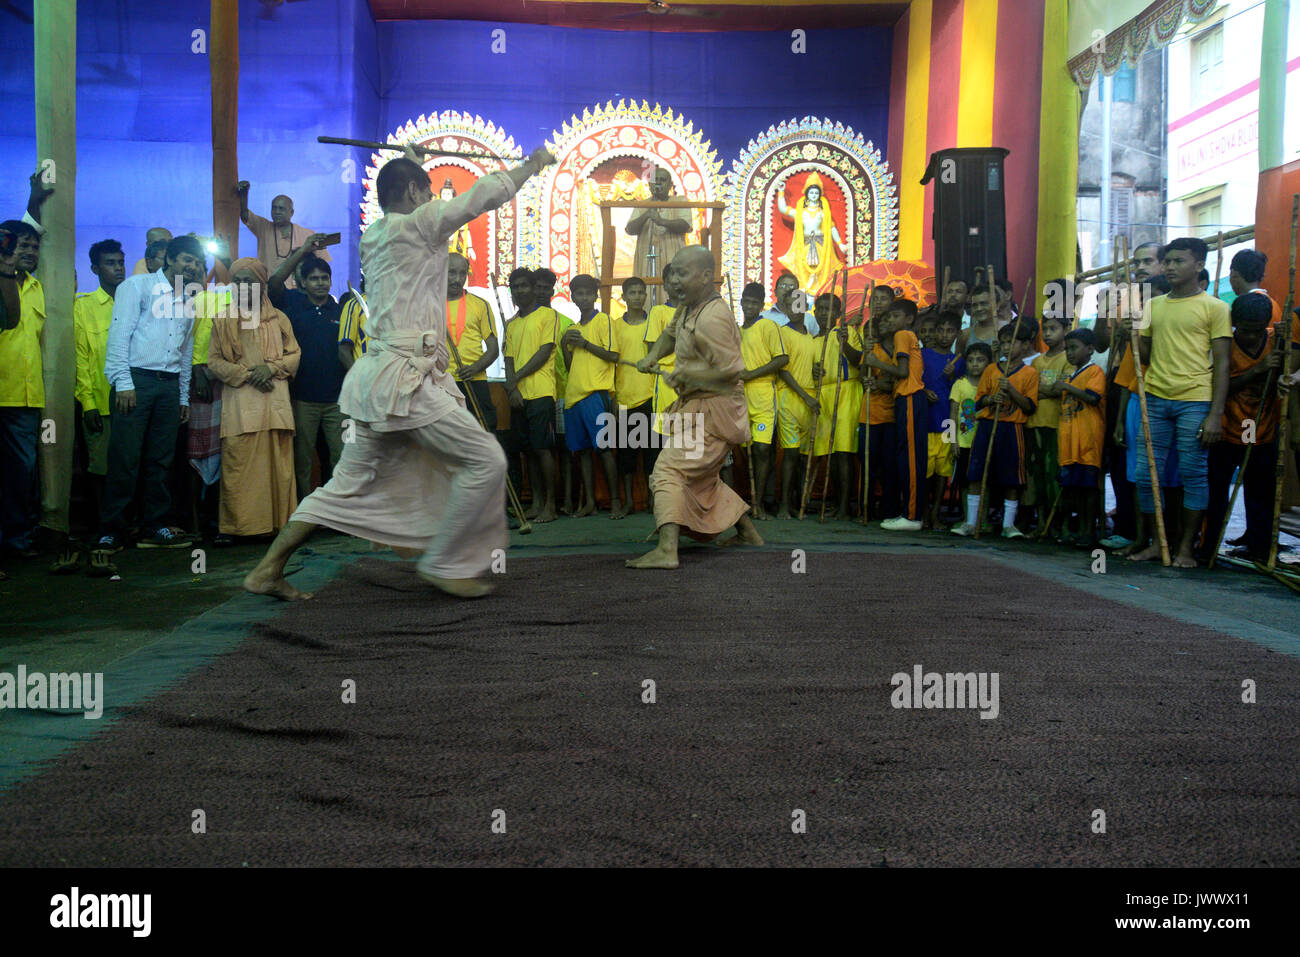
(835, 410)
(868, 344)
(812, 439)
(1283, 442)
(749, 448)
(1136, 345)
(55, 38)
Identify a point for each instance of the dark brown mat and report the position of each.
(773, 695)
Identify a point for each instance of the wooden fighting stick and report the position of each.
(1136, 345)
(835, 410)
(812, 439)
(749, 448)
(525, 526)
(1283, 440)
(867, 337)
(997, 409)
(1245, 462)
(424, 150)
(1112, 347)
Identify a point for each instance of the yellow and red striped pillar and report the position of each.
(979, 73)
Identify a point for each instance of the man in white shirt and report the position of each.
(148, 366)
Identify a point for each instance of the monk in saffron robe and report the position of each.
(709, 417)
(420, 473)
(254, 354)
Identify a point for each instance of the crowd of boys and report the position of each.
(966, 401)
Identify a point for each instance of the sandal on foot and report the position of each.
(100, 566)
(68, 563)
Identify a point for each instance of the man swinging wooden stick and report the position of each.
(420, 472)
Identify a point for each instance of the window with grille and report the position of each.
(1125, 85)
(1121, 211)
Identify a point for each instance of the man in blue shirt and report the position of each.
(314, 314)
(148, 367)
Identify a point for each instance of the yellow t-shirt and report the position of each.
(524, 336)
(207, 305)
(21, 382)
(478, 329)
(1181, 331)
(590, 373)
(963, 393)
(803, 350)
(632, 388)
(1050, 369)
(661, 318)
(92, 314)
(352, 327)
(562, 324)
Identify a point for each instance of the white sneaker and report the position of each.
(965, 529)
(900, 524)
(1012, 532)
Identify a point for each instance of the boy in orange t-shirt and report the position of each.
(909, 455)
(1081, 435)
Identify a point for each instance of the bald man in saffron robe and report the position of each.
(709, 417)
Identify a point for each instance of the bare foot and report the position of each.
(533, 512)
(760, 514)
(274, 587)
(1129, 550)
(655, 559)
(544, 516)
(747, 537)
(1184, 561)
(460, 587)
(585, 510)
(1149, 554)
(783, 515)
(617, 511)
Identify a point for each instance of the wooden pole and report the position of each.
(997, 409)
(868, 344)
(1218, 268)
(223, 65)
(399, 147)
(1111, 349)
(749, 447)
(1283, 444)
(55, 37)
(812, 440)
(1136, 345)
(1245, 462)
(835, 409)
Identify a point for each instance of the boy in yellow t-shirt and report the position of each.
(530, 384)
(635, 393)
(591, 358)
(1044, 461)
(764, 354)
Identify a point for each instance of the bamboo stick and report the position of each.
(1283, 443)
(1136, 345)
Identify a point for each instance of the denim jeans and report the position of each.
(19, 427)
(1175, 424)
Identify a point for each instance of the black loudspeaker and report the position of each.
(970, 212)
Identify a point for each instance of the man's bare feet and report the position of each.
(533, 511)
(748, 536)
(544, 516)
(586, 510)
(460, 587)
(783, 514)
(1185, 561)
(260, 584)
(655, 559)
(760, 514)
(1129, 551)
(617, 510)
(1149, 554)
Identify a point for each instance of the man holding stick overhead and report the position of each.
(689, 495)
(419, 474)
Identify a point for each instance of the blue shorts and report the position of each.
(1008, 467)
(1170, 477)
(582, 424)
(1079, 476)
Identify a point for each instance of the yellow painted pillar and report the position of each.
(55, 32)
(1058, 154)
(979, 49)
(915, 155)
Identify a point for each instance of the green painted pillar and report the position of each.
(56, 146)
(1272, 84)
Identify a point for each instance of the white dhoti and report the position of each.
(440, 487)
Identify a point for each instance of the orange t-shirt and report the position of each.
(1244, 403)
(1024, 380)
(1082, 429)
(882, 401)
(906, 343)
(1125, 375)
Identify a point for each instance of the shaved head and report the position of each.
(697, 257)
(693, 272)
(157, 233)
